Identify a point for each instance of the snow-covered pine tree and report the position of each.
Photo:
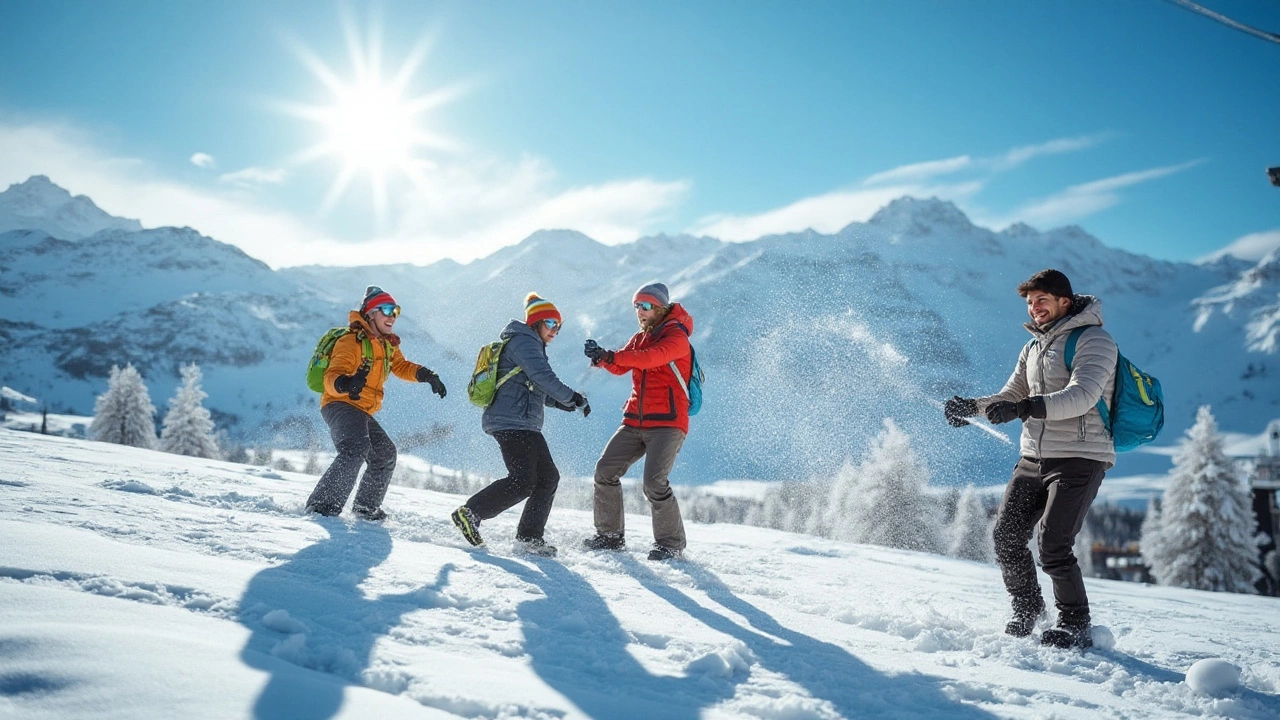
(1149, 537)
(124, 414)
(970, 531)
(890, 506)
(188, 427)
(1207, 527)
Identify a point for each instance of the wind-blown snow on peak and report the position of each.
(40, 204)
(919, 217)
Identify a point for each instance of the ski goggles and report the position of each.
(552, 324)
(644, 305)
(388, 309)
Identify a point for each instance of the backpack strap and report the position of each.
(510, 373)
(1069, 355)
(684, 385)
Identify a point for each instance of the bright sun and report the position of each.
(369, 125)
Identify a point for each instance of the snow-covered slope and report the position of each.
(38, 204)
(809, 341)
(135, 584)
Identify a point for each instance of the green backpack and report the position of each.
(320, 358)
(484, 380)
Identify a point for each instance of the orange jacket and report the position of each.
(347, 356)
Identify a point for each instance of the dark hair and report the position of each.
(1050, 281)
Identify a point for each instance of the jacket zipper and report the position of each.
(644, 375)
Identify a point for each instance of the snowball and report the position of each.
(1213, 676)
(1103, 638)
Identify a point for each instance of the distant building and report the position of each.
(1264, 479)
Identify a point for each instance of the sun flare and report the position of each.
(369, 124)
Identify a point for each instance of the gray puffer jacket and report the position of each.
(519, 402)
(1072, 427)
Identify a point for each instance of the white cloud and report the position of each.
(1020, 155)
(463, 210)
(919, 172)
(252, 178)
(202, 160)
(1253, 246)
(1085, 199)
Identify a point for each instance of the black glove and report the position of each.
(957, 409)
(1005, 411)
(354, 383)
(427, 376)
(578, 401)
(596, 353)
(586, 410)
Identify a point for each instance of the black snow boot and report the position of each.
(660, 553)
(1072, 631)
(467, 522)
(370, 514)
(1026, 612)
(326, 510)
(605, 541)
(534, 546)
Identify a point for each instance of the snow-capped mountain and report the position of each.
(38, 204)
(809, 340)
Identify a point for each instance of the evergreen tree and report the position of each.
(971, 529)
(889, 506)
(1206, 524)
(124, 413)
(188, 427)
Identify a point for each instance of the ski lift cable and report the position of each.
(1193, 7)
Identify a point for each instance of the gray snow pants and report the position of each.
(658, 447)
(359, 439)
(1056, 493)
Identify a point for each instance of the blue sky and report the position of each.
(1147, 124)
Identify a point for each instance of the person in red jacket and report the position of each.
(655, 421)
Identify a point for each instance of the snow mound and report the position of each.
(129, 485)
(1103, 638)
(1213, 676)
(282, 621)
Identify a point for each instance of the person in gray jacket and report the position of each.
(1065, 450)
(514, 419)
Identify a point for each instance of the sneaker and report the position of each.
(606, 541)
(325, 510)
(370, 514)
(660, 553)
(1026, 613)
(1070, 632)
(534, 546)
(468, 523)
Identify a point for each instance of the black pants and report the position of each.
(531, 474)
(1056, 493)
(359, 439)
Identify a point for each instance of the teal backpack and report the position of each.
(320, 357)
(1137, 406)
(693, 388)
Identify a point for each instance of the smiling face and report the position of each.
(1045, 308)
(381, 324)
(547, 334)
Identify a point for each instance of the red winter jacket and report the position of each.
(656, 397)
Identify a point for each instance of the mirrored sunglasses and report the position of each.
(551, 323)
(643, 305)
(389, 309)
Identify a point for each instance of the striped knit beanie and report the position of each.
(536, 310)
(655, 293)
(373, 297)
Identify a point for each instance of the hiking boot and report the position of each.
(661, 553)
(370, 514)
(325, 510)
(1072, 631)
(605, 541)
(1026, 613)
(468, 523)
(534, 546)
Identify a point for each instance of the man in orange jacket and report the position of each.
(358, 368)
(655, 421)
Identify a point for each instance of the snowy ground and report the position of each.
(136, 584)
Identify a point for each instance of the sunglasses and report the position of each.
(552, 324)
(643, 305)
(388, 309)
